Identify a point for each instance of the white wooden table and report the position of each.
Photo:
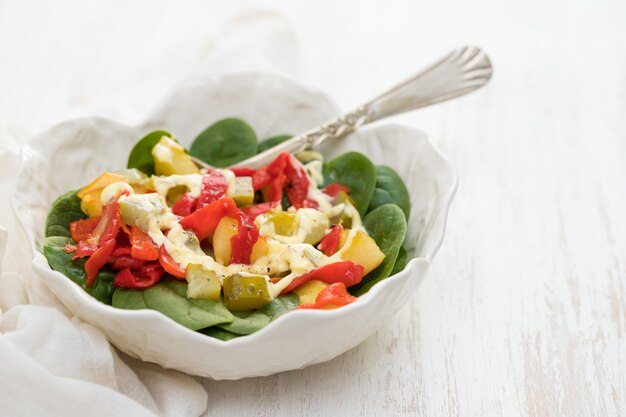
(524, 310)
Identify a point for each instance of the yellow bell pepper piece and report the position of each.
(99, 183)
(90, 195)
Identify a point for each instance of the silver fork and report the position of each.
(460, 72)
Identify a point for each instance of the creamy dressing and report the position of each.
(184, 247)
(286, 254)
(347, 209)
(132, 175)
(193, 182)
(307, 219)
(112, 191)
(314, 171)
(324, 201)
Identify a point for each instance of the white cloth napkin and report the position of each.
(53, 364)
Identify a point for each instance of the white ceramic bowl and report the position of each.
(72, 153)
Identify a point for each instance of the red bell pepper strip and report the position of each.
(242, 243)
(102, 239)
(126, 261)
(97, 260)
(204, 221)
(344, 271)
(146, 277)
(185, 206)
(82, 229)
(107, 228)
(109, 225)
(297, 184)
(271, 178)
(142, 246)
(284, 172)
(169, 264)
(84, 248)
(243, 171)
(122, 243)
(335, 295)
(253, 211)
(214, 186)
(334, 188)
(121, 249)
(330, 242)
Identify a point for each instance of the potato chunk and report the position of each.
(308, 292)
(362, 250)
(226, 229)
(170, 158)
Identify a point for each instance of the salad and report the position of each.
(225, 251)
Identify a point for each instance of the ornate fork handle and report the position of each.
(458, 73)
(337, 128)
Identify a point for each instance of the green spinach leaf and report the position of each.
(280, 305)
(53, 249)
(61, 261)
(225, 142)
(387, 226)
(271, 142)
(129, 299)
(401, 261)
(64, 210)
(247, 322)
(390, 189)
(355, 171)
(102, 288)
(218, 333)
(169, 297)
(141, 155)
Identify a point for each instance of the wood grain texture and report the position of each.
(524, 310)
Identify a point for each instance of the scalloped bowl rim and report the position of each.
(150, 316)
